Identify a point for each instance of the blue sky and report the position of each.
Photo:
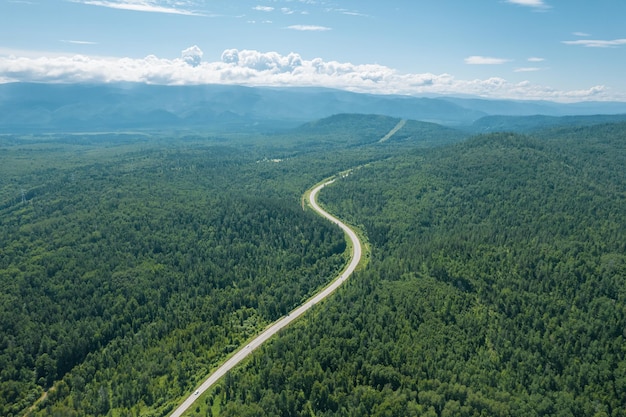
(562, 50)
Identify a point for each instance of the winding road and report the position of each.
(293, 315)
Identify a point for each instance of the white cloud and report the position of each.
(254, 68)
(527, 69)
(539, 4)
(581, 34)
(192, 56)
(345, 12)
(349, 13)
(309, 28)
(590, 43)
(534, 60)
(75, 42)
(153, 6)
(263, 8)
(485, 60)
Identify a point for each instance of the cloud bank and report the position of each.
(254, 68)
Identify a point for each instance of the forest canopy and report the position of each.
(132, 264)
(496, 287)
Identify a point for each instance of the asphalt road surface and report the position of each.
(293, 315)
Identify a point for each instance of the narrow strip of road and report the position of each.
(393, 131)
(283, 322)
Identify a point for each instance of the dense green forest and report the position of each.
(496, 288)
(132, 264)
(128, 276)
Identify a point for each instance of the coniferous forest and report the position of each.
(132, 264)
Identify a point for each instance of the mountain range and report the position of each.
(35, 108)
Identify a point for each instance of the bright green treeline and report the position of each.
(496, 288)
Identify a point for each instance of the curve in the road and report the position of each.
(283, 322)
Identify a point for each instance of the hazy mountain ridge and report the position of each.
(538, 122)
(89, 107)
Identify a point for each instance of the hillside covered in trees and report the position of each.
(132, 264)
(127, 273)
(496, 287)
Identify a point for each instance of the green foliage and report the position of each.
(125, 279)
(131, 266)
(496, 287)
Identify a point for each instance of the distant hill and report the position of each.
(524, 124)
(426, 134)
(359, 129)
(31, 107)
(372, 126)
